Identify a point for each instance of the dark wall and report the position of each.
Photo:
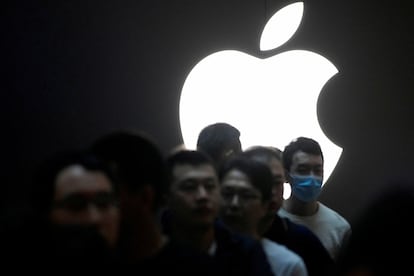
(75, 70)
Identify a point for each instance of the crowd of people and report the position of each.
(214, 210)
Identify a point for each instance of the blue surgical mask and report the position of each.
(306, 187)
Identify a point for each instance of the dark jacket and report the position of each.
(303, 242)
(235, 255)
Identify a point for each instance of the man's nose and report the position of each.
(94, 214)
(201, 192)
(235, 200)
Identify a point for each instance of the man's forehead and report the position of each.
(301, 157)
(194, 171)
(236, 179)
(77, 179)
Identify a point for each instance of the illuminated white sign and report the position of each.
(271, 100)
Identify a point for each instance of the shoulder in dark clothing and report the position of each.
(235, 254)
(238, 254)
(174, 259)
(303, 242)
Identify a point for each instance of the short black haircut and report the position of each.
(190, 157)
(217, 138)
(305, 144)
(136, 159)
(264, 152)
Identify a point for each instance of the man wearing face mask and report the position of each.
(303, 162)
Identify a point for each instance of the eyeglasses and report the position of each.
(80, 202)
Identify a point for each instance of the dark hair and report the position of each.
(216, 138)
(305, 144)
(264, 152)
(136, 159)
(258, 173)
(190, 157)
(46, 173)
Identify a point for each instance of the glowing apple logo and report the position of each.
(271, 101)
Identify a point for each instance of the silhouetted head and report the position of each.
(220, 141)
(382, 234)
(137, 162)
(76, 189)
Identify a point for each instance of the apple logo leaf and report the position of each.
(281, 26)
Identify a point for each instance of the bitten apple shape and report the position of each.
(271, 100)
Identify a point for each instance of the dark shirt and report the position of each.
(238, 254)
(174, 259)
(303, 242)
(235, 255)
(37, 245)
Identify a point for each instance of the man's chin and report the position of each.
(204, 223)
